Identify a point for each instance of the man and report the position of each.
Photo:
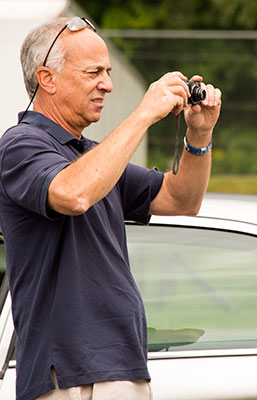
(80, 322)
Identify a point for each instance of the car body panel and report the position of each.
(220, 211)
(7, 388)
(204, 377)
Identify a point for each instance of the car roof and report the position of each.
(234, 212)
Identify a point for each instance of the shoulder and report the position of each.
(19, 130)
(22, 135)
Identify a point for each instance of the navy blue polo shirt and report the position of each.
(76, 306)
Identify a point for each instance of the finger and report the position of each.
(178, 82)
(178, 108)
(174, 78)
(176, 74)
(176, 101)
(198, 78)
(218, 95)
(196, 108)
(210, 95)
(213, 96)
(176, 86)
(180, 91)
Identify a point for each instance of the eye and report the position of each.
(92, 72)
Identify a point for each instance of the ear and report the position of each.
(46, 79)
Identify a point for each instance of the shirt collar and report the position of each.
(46, 124)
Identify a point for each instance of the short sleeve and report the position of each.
(28, 164)
(139, 186)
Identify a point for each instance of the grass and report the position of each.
(246, 184)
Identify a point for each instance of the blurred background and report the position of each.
(147, 38)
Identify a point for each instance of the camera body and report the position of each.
(197, 93)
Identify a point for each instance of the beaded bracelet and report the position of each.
(197, 151)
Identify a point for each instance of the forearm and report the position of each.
(194, 176)
(90, 178)
(76, 188)
(182, 194)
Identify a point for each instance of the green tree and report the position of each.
(173, 14)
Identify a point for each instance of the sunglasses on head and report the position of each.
(75, 24)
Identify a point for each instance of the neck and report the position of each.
(53, 113)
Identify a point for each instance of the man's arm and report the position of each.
(90, 178)
(76, 188)
(183, 193)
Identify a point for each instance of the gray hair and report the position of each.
(35, 48)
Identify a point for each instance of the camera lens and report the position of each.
(197, 93)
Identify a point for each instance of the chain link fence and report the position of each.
(228, 60)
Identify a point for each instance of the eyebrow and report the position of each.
(96, 67)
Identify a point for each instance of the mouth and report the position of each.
(98, 101)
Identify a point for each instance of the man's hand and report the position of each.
(169, 94)
(201, 118)
(182, 194)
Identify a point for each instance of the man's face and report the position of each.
(84, 80)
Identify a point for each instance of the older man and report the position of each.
(79, 318)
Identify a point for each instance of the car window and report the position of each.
(198, 285)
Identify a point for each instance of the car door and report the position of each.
(199, 287)
(7, 338)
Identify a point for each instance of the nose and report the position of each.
(106, 83)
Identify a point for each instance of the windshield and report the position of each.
(198, 285)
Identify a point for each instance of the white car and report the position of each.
(198, 279)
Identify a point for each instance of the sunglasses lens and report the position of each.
(76, 24)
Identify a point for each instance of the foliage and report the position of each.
(173, 14)
(241, 183)
(237, 155)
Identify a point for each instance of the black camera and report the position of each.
(197, 93)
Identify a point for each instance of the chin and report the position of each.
(89, 121)
(96, 118)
